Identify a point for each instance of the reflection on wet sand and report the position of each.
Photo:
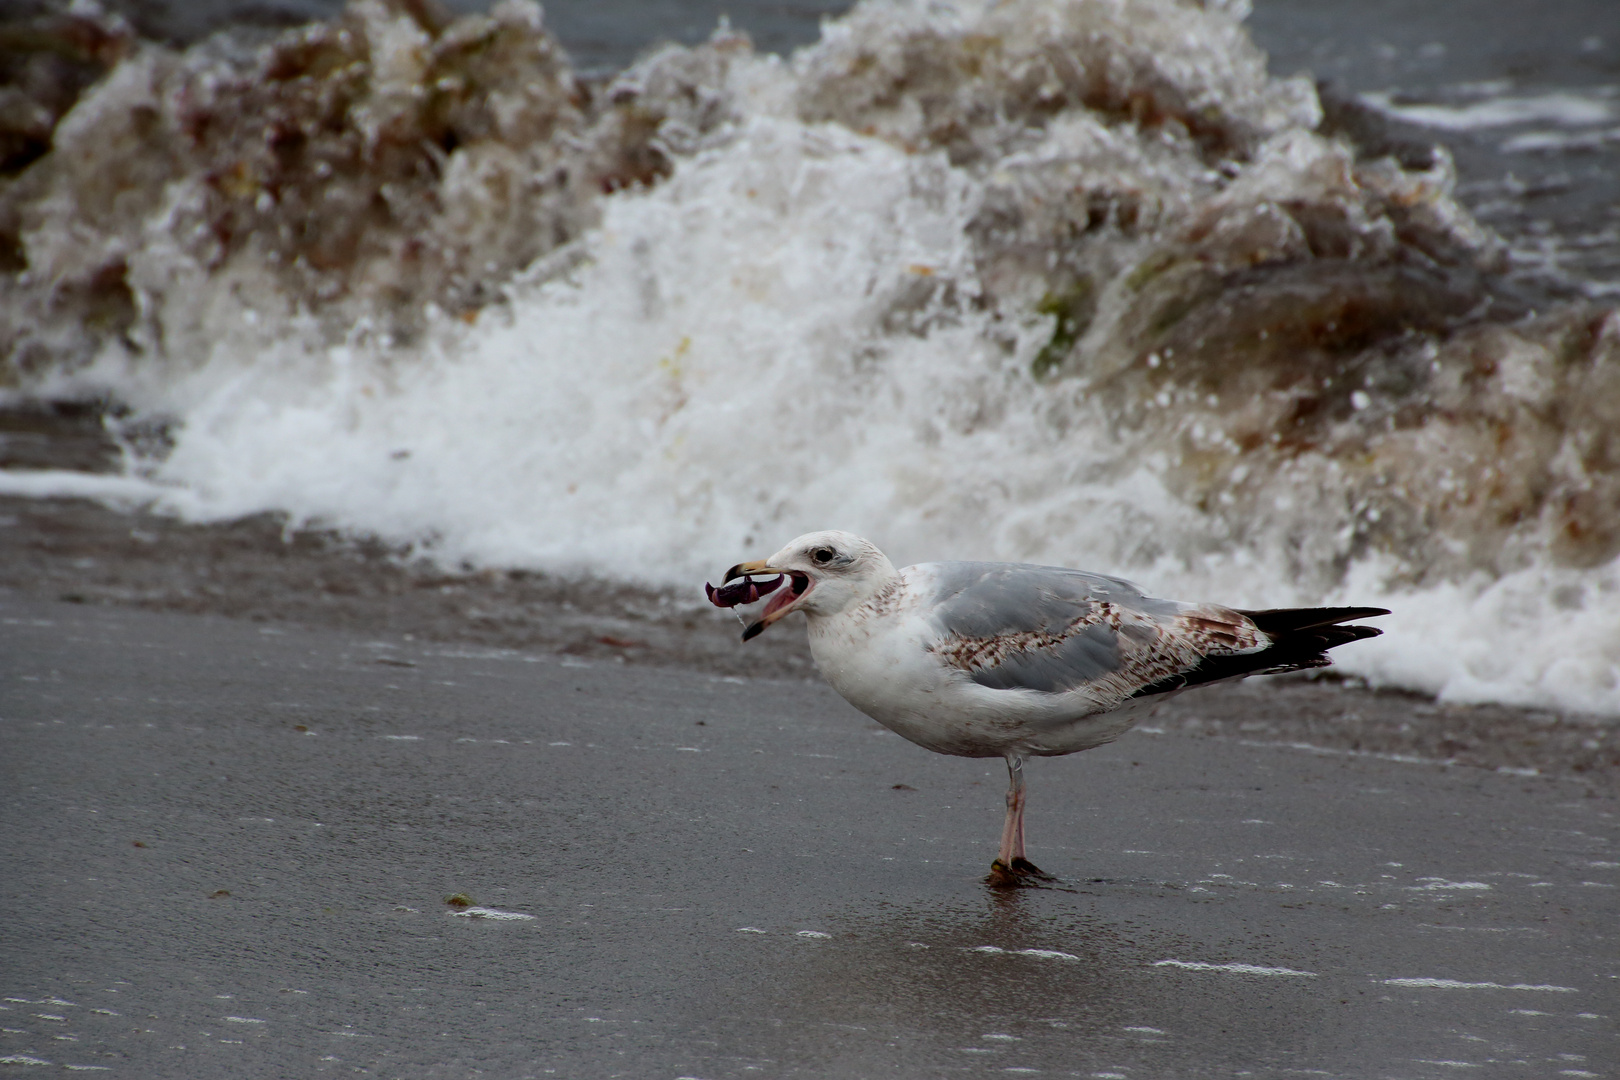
(1029, 980)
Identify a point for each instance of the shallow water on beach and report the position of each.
(1074, 283)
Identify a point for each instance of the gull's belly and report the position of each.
(885, 669)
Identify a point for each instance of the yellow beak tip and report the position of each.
(758, 566)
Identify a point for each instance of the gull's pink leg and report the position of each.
(1011, 866)
(1016, 806)
(1012, 827)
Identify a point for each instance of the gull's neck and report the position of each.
(873, 598)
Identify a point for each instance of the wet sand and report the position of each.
(226, 848)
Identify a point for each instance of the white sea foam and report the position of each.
(1561, 142)
(65, 483)
(1442, 885)
(1239, 969)
(791, 332)
(1456, 984)
(1543, 636)
(1039, 954)
(492, 915)
(1565, 108)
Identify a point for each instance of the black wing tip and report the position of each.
(1287, 620)
(1301, 638)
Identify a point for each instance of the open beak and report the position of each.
(782, 602)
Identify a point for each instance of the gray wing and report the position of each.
(1050, 629)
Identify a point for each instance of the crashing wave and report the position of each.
(1074, 282)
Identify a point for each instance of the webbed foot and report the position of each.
(1022, 874)
(1029, 869)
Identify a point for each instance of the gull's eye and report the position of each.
(822, 556)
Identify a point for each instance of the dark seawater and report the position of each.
(1553, 187)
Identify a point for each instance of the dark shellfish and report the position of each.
(745, 591)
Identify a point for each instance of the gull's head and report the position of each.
(827, 572)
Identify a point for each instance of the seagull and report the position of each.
(1013, 660)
